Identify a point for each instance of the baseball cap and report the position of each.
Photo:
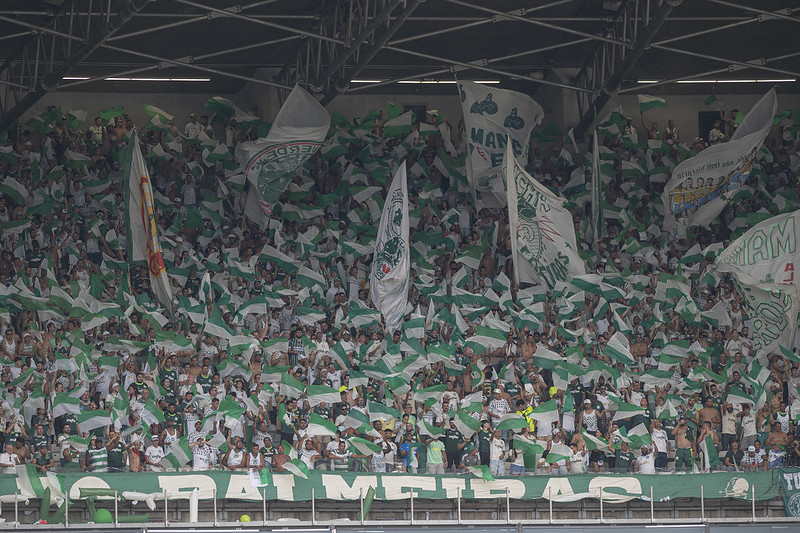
(587, 402)
(751, 449)
(497, 390)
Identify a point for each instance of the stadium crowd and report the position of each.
(274, 352)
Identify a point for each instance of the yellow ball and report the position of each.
(244, 518)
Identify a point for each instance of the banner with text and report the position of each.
(701, 186)
(491, 115)
(615, 488)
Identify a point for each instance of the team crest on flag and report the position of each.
(389, 249)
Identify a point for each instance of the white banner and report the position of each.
(490, 116)
(543, 243)
(701, 186)
(765, 253)
(142, 227)
(391, 264)
(772, 309)
(297, 133)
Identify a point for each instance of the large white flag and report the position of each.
(543, 243)
(297, 133)
(772, 309)
(391, 264)
(140, 217)
(763, 261)
(767, 252)
(701, 186)
(491, 115)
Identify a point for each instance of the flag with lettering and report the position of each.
(702, 186)
(491, 116)
(543, 243)
(767, 252)
(297, 133)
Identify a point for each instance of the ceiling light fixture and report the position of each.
(436, 82)
(366, 81)
(785, 80)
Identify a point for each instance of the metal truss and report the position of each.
(70, 34)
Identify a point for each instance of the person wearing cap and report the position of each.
(193, 129)
(497, 454)
(498, 407)
(204, 456)
(645, 463)
(153, 456)
(747, 433)
(752, 461)
(97, 456)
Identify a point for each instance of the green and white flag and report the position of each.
(702, 186)
(491, 116)
(318, 426)
(546, 413)
(650, 102)
(151, 414)
(291, 386)
(627, 410)
(390, 275)
(64, 403)
(181, 454)
(297, 468)
(512, 421)
(767, 253)
(592, 442)
(558, 452)
(296, 135)
(362, 446)
(710, 453)
(14, 190)
(316, 394)
(481, 471)
(544, 249)
(619, 349)
(772, 308)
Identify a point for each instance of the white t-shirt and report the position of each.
(155, 454)
(659, 438)
(646, 464)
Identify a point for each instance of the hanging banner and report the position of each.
(790, 487)
(701, 186)
(491, 115)
(296, 135)
(543, 244)
(767, 252)
(615, 488)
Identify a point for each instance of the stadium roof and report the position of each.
(334, 46)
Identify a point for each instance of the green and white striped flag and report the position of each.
(650, 102)
(466, 424)
(592, 442)
(618, 348)
(486, 338)
(297, 468)
(558, 452)
(316, 394)
(512, 421)
(64, 403)
(380, 411)
(546, 413)
(181, 454)
(151, 414)
(320, 427)
(710, 453)
(291, 386)
(14, 190)
(481, 471)
(361, 446)
(626, 410)
(91, 420)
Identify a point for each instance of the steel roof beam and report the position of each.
(260, 22)
(614, 83)
(50, 81)
(373, 50)
(510, 16)
(479, 65)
